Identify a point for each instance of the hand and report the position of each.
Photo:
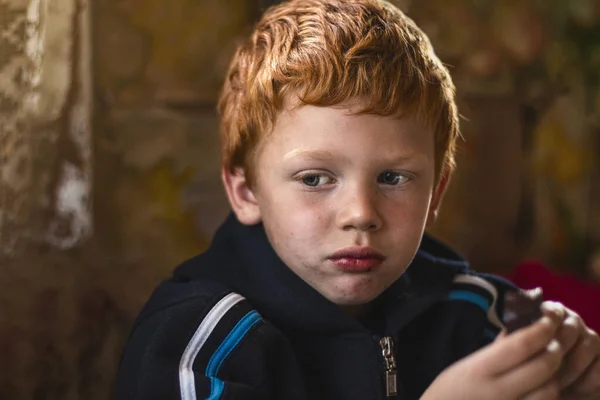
(523, 366)
(579, 374)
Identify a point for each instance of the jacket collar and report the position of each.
(242, 258)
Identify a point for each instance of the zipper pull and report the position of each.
(387, 346)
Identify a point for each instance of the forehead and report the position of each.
(343, 124)
(344, 112)
(313, 135)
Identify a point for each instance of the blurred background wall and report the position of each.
(109, 158)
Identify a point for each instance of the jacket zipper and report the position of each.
(387, 349)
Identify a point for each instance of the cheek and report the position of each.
(303, 210)
(304, 226)
(408, 219)
(297, 232)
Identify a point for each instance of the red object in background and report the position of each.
(580, 296)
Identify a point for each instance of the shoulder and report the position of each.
(482, 291)
(181, 337)
(174, 295)
(186, 314)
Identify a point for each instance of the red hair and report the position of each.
(327, 52)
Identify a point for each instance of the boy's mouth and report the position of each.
(357, 259)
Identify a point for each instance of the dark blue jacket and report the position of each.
(236, 323)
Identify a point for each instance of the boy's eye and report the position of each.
(391, 178)
(314, 180)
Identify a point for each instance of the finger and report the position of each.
(549, 391)
(586, 357)
(514, 349)
(553, 308)
(588, 385)
(501, 334)
(571, 330)
(579, 359)
(534, 373)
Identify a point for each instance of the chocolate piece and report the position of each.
(521, 308)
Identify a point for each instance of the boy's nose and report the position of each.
(359, 212)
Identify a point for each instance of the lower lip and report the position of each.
(350, 264)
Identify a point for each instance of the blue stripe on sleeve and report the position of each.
(474, 298)
(216, 388)
(231, 341)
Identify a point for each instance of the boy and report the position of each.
(338, 133)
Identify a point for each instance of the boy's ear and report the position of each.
(242, 199)
(438, 195)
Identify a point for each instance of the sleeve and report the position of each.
(195, 349)
(485, 291)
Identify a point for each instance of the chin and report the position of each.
(354, 292)
(354, 300)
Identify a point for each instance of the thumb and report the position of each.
(501, 335)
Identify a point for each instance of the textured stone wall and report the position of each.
(46, 110)
(90, 224)
(13, 115)
(51, 345)
(158, 71)
(528, 181)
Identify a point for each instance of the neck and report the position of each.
(359, 312)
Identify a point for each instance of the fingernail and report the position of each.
(534, 292)
(553, 346)
(555, 308)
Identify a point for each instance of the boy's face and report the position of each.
(344, 199)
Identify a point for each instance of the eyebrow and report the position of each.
(320, 155)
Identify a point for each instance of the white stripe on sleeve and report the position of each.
(186, 374)
(482, 283)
